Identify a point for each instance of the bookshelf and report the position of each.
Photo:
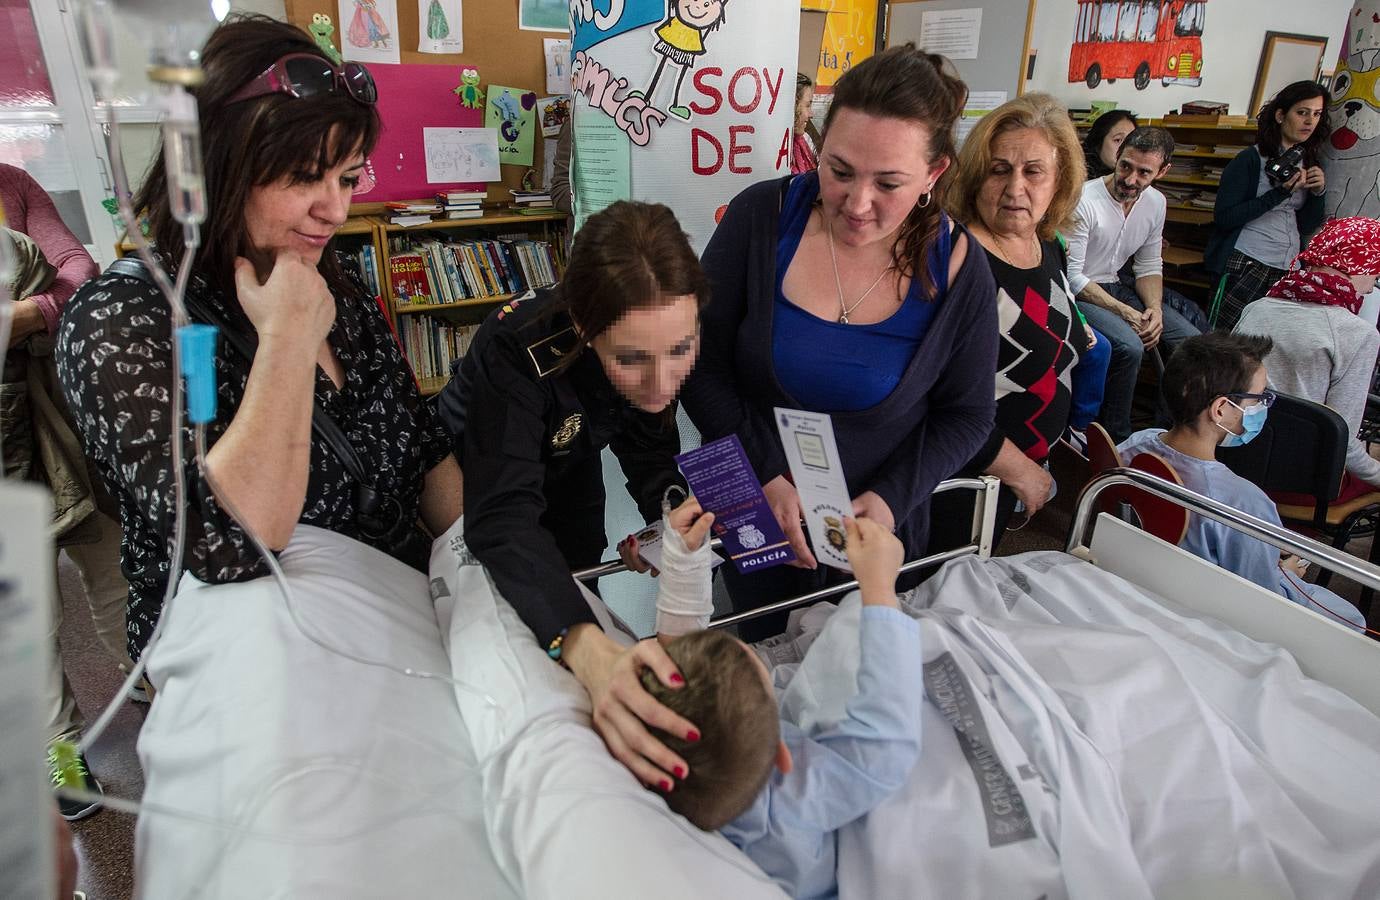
(469, 268)
(1191, 189)
(370, 239)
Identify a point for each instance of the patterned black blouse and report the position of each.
(114, 360)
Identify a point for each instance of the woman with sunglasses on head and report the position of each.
(286, 136)
(1215, 391)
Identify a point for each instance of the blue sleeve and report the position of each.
(843, 772)
(1251, 558)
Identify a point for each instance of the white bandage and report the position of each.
(684, 595)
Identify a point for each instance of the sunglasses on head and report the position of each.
(302, 75)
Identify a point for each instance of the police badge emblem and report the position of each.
(567, 432)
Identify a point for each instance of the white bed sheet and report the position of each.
(357, 782)
(566, 820)
(1121, 750)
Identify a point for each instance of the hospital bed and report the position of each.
(278, 767)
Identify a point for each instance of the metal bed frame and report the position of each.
(984, 522)
(1330, 558)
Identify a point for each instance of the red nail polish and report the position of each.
(676, 679)
(665, 786)
(678, 771)
(692, 735)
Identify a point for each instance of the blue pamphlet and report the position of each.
(722, 479)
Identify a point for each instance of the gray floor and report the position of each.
(106, 840)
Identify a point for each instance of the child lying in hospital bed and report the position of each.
(565, 818)
(786, 820)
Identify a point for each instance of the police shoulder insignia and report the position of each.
(548, 353)
(567, 432)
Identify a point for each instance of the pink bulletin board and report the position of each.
(413, 97)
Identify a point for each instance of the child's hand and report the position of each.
(876, 556)
(691, 522)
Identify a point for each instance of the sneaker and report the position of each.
(1077, 441)
(140, 692)
(73, 810)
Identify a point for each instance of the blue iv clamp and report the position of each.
(197, 344)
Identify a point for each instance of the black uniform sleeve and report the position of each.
(646, 449)
(501, 455)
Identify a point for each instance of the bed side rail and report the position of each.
(1330, 558)
(984, 521)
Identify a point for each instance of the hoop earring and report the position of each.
(924, 200)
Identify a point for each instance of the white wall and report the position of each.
(1233, 35)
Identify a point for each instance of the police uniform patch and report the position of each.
(548, 353)
(568, 431)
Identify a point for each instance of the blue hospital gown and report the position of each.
(1252, 559)
(841, 773)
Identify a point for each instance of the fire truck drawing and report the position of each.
(1138, 39)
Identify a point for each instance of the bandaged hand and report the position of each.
(876, 556)
(684, 597)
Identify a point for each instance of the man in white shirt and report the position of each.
(1118, 217)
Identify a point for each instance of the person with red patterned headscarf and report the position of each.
(1322, 351)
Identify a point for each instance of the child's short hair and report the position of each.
(726, 698)
(1209, 366)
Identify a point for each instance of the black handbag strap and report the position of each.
(321, 422)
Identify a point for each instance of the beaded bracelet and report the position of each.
(553, 649)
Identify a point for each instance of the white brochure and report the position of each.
(824, 500)
(649, 547)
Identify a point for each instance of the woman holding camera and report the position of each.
(1271, 196)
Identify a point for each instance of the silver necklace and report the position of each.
(844, 309)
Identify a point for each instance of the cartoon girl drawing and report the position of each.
(367, 27)
(680, 39)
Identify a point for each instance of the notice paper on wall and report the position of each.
(979, 104)
(461, 154)
(600, 166)
(808, 439)
(952, 32)
(557, 51)
(722, 480)
(440, 26)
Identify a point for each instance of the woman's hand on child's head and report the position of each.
(876, 556)
(691, 522)
(622, 708)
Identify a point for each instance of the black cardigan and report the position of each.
(923, 432)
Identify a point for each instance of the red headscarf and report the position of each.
(1350, 245)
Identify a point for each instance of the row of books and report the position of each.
(1183, 195)
(431, 345)
(366, 258)
(432, 271)
(1191, 168)
(447, 205)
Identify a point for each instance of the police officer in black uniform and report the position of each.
(549, 381)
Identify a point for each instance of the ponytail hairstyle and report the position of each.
(905, 83)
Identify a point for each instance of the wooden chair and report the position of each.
(1162, 518)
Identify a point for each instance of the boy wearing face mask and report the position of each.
(1215, 388)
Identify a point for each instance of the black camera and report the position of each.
(1285, 166)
